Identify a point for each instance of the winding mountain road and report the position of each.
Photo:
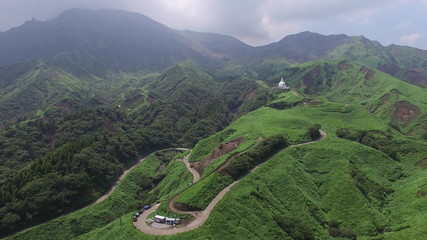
(200, 217)
(127, 171)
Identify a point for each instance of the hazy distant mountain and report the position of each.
(302, 47)
(122, 40)
(127, 41)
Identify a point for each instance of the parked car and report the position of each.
(135, 218)
(147, 207)
(137, 214)
(141, 211)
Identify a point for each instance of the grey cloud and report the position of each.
(256, 21)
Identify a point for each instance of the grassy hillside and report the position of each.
(330, 189)
(333, 188)
(406, 63)
(399, 103)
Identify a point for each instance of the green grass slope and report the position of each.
(350, 84)
(406, 63)
(335, 188)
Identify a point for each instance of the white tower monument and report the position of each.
(282, 85)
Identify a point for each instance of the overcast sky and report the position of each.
(256, 22)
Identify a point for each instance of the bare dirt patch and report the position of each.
(391, 69)
(222, 149)
(250, 95)
(416, 77)
(369, 73)
(344, 65)
(423, 164)
(109, 126)
(64, 104)
(309, 80)
(131, 101)
(405, 112)
(53, 74)
(310, 102)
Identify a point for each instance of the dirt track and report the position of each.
(106, 195)
(196, 175)
(200, 217)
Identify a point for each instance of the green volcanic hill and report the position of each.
(366, 179)
(86, 94)
(386, 97)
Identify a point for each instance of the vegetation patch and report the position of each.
(201, 194)
(241, 164)
(336, 231)
(381, 141)
(294, 227)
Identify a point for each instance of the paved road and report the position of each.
(200, 217)
(196, 175)
(106, 195)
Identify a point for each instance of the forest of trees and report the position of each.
(52, 166)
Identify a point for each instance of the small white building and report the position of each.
(282, 85)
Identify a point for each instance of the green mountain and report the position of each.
(406, 63)
(84, 95)
(388, 98)
(365, 180)
(81, 150)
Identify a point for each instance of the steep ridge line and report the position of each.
(200, 216)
